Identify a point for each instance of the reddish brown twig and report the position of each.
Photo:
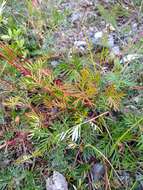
(9, 55)
(137, 88)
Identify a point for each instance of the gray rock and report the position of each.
(80, 45)
(111, 41)
(56, 182)
(97, 39)
(134, 27)
(130, 57)
(86, 3)
(98, 36)
(54, 63)
(138, 99)
(125, 178)
(97, 172)
(75, 17)
(116, 50)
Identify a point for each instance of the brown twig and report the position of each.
(107, 183)
(137, 88)
(13, 59)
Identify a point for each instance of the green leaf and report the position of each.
(108, 16)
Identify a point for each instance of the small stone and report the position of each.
(56, 182)
(97, 38)
(80, 45)
(98, 35)
(134, 27)
(86, 3)
(54, 63)
(116, 50)
(138, 99)
(125, 178)
(4, 163)
(97, 171)
(75, 17)
(131, 57)
(110, 41)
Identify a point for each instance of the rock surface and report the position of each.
(56, 182)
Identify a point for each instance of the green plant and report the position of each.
(15, 37)
(59, 94)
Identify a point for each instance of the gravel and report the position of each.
(84, 22)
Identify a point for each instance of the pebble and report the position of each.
(125, 178)
(130, 57)
(75, 17)
(111, 41)
(134, 27)
(116, 50)
(97, 171)
(97, 38)
(137, 99)
(86, 3)
(54, 63)
(80, 45)
(98, 35)
(56, 182)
